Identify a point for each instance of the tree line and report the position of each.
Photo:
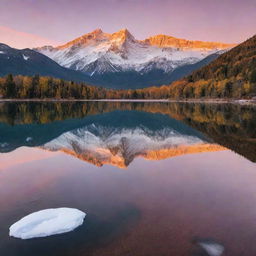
(39, 87)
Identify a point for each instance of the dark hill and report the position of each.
(231, 75)
(28, 62)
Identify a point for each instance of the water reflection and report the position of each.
(199, 198)
(117, 132)
(155, 208)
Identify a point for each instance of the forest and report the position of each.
(37, 87)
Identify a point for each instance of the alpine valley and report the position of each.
(120, 61)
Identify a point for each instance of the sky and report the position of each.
(31, 23)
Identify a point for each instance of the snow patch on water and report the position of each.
(47, 222)
(28, 139)
(3, 145)
(212, 248)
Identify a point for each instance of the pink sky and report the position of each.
(58, 21)
(22, 40)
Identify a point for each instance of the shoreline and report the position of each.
(209, 101)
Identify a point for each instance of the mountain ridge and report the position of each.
(120, 55)
(160, 40)
(170, 41)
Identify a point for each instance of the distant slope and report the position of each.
(28, 62)
(239, 62)
(232, 75)
(154, 77)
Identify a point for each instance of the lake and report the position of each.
(155, 179)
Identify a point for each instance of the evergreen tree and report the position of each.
(10, 87)
(228, 89)
(253, 76)
(135, 95)
(34, 90)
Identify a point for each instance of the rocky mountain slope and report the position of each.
(119, 59)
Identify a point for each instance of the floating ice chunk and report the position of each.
(47, 222)
(3, 145)
(28, 139)
(212, 248)
(1, 52)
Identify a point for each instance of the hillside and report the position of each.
(231, 75)
(28, 62)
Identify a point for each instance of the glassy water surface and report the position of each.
(153, 178)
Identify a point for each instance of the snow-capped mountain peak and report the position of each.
(91, 38)
(98, 52)
(122, 36)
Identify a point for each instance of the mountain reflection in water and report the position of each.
(200, 198)
(117, 132)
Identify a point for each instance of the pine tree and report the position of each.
(135, 95)
(10, 87)
(253, 76)
(228, 89)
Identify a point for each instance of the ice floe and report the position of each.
(47, 222)
(28, 139)
(212, 248)
(3, 145)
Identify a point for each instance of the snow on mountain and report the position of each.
(119, 146)
(25, 57)
(98, 52)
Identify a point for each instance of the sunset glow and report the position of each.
(49, 22)
(22, 40)
(127, 127)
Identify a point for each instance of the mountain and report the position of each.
(119, 60)
(36, 124)
(28, 62)
(231, 75)
(32, 134)
(101, 145)
(114, 138)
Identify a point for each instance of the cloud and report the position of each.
(20, 40)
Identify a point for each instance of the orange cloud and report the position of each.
(20, 40)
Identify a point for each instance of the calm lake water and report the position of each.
(155, 179)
